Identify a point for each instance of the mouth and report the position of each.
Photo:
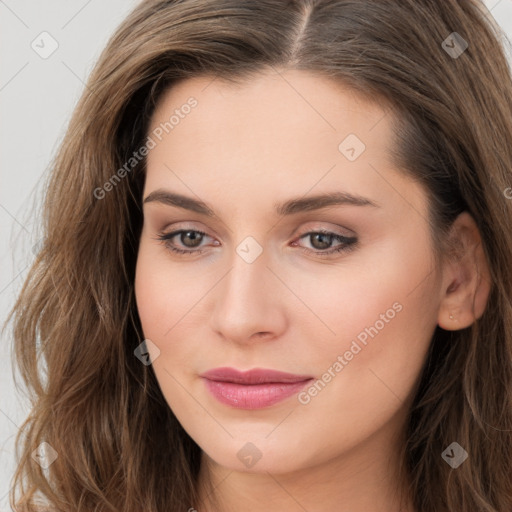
(253, 389)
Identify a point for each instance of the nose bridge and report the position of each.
(246, 282)
(244, 303)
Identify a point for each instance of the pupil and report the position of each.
(325, 244)
(191, 235)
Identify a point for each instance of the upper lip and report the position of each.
(254, 376)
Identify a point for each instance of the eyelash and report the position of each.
(347, 243)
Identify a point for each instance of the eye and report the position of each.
(322, 240)
(190, 238)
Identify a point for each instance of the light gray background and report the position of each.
(37, 96)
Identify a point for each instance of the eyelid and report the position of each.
(321, 228)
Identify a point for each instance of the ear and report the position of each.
(466, 280)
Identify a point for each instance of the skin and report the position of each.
(241, 150)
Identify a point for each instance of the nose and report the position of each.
(249, 303)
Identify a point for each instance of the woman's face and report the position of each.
(353, 310)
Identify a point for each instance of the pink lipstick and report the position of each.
(252, 389)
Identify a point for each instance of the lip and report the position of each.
(252, 389)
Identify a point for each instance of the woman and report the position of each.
(276, 271)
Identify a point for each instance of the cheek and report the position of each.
(384, 316)
(150, 295)
(171, 305)
(163, 295)
(390, 288)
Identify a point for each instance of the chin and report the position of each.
(259, 455)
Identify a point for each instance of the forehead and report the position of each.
(281, 133)
(269, 96)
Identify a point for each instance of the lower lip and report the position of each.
(253, 396)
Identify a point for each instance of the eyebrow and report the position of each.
(289, 207)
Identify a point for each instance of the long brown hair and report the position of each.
(75, 323)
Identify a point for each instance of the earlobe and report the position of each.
(466, 277)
